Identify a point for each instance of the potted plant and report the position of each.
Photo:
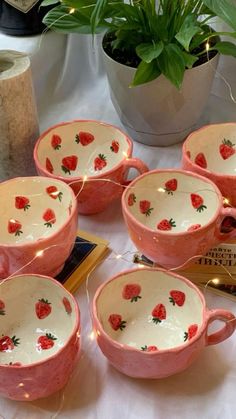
(160, 57)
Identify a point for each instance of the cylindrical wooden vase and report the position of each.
(18, 116)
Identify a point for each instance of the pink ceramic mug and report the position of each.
(174, 215)
(210, 151)
(94, 158)
(39, 218)
(40, 337)
(150, 323)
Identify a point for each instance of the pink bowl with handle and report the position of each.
(92, 157)
(38, 227)
(150, 323)
(211, 152)
(39, 337)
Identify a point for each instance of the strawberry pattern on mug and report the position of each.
(226, 149)
(69, 164)
(100, 162)
(166, 225)
(131, 199)
(49, 165)
(171, 186)
(145, 207)
(54, 193)
(200, 160)
(56, 142)
(84, 138)
(8, 344)
(22, 202)
(158, 313)
(132, 292)
(115, 146)
(67, 305)
(177, 297)
(14, 227)
(192, 331)
(46, 341)
(151, 348)
(116, 322)
(197, 202)
(49, 217)
(43, 308)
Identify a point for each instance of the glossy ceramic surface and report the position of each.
(38, 225)
(211, 152)
(174, 215)
(39, 328)
(92, 157)
(151, 324)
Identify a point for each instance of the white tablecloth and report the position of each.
(70, 83)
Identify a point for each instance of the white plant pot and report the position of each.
(157, 113)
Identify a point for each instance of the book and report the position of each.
(216, 271)
(87, 252)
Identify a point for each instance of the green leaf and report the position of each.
(148, 52)
(48, 3)
(189, 59)
(97, 14)
(224, 9)
(187, 31)
(145, 72)
(172, 64)
(61, 20)
(226, 48)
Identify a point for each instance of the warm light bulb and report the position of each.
(207, 46)
(140, 265)
(72, 11)
(21, 385)
(118, 256)
(85, 178)
(161, 190)
(91, 336)
(39, 253)
(226, 201)
(125, 154)
(216, 281)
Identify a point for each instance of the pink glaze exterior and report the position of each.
(163, 363)
(44, 378)
(172, 250)
(225, 183)
(22, 259)
(94, 197)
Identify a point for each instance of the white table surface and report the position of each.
(70, 83)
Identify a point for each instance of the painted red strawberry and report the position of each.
(131, 292)
(14, 227)
(100, 162)
(200, 160)
(171, 186)
(53, 192)
(197, 202)
(116, 322)
(145, 207)
(146, 348)
(21, 202)
(84, 138)
(158, 313)
(192, 330)
(67, 305)
(226, 149)
(177, 297)
(49, 165)
(8, 344)
(166, 224)
(131, 199)
(2, 308)
(115, 146)
(194, 227)
(46, 341)
(50, 217)
(56, 142)
(69, 163)
(43, 308)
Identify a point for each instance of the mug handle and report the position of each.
(226, 212)
(137, 164)
(226, 331)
